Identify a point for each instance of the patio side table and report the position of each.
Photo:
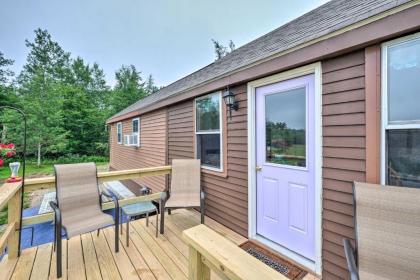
(137, 209)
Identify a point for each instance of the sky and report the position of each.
(166, 38)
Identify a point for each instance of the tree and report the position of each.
(150, 86)
(5, 73)
(98, 89)
(7, 96)
(46, 70)
(220, 50)
(67, 101)
(85, 109)
(232, 46)
(81, 73)
(101, 96)
(128, 89)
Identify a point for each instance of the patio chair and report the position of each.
(78, 208)
(387, 223)
(186, 191)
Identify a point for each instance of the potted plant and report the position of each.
(7, 152)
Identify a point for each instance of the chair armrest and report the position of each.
(112, 197)
(351, 260)
(57, 212)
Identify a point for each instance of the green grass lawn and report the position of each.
(288, 153)
(32, 170)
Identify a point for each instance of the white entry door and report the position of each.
(285, 160)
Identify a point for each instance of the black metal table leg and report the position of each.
(162, 216)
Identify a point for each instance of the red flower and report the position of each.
(3, 146)
(11, 146)
(9, 154)
(1, 162)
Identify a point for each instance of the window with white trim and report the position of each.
(208, 130)
(136, 130)
(133, 139)
(401, 112)
(119, 133)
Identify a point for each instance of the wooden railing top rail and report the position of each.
(49, 182)
(211, 251)
(10, 195)
(32, 220)
(7, 191)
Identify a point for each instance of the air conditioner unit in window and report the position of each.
(131, 140)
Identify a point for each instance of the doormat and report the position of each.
(274, 261)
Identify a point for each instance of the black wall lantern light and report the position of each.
(231, 103)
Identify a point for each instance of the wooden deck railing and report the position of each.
(209, 251)
(10, 195)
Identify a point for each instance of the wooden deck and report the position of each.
(92, 257)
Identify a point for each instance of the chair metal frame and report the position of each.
(349, 251)
(59, 227)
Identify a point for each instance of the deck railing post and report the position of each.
(197, 270)
(13, 216)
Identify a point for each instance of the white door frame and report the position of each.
(314, 68)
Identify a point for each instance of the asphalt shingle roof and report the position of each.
(330, 17)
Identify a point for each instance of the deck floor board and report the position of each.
(92, 257)
(178, 258)
(76, 266)
(89, 256)
(109, 269)
(24, 265)
(171, 267)
(41, 267)
(123, 262)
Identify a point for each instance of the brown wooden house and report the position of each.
(324, 100)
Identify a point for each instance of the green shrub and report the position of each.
(70, 159)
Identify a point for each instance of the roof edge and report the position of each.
(333, 34)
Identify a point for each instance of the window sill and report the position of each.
(134, 146)
(222, 174)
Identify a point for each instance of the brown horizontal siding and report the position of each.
(180, 131)
(152, 150)
(343, 97)
(227, 197)
(344, 155)
(344, 144)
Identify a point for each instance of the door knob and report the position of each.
(258, 168)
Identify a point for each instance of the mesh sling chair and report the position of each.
(185, 191)
(78, 209)
(387, 223)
